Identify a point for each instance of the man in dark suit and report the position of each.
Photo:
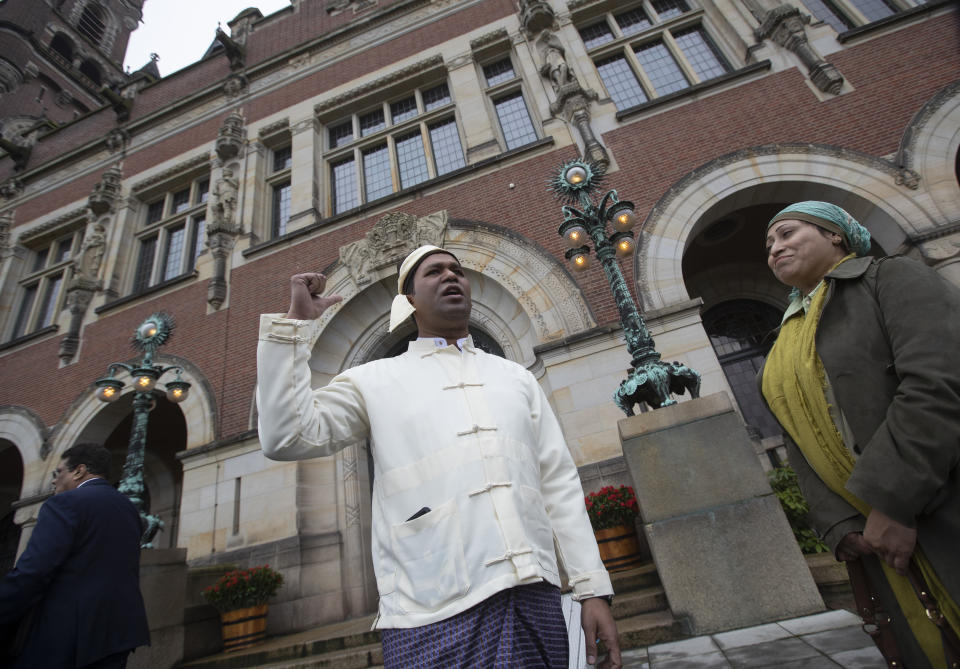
(79, 575)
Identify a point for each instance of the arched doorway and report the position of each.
(11, 482)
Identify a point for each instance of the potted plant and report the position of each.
(612, 512)
(241, 598)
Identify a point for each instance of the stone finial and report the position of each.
(106, 191)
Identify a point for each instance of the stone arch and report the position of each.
(860, 183)
(930, 148)
(23, 428)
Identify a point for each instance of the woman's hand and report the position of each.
(894, 542)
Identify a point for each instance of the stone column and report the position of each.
(306, 159)
(722, 545)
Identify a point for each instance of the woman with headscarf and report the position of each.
(865, 380)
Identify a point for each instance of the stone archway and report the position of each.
(22, 451)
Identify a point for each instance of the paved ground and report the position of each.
(825, 640)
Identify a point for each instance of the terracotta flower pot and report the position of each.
(243, 628)
(619, 547)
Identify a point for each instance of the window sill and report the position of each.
(145, 292)
(742, 73)
(906, 15)
(376, 204)
(22, 339)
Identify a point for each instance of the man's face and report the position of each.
(441, 296)
(66, 477)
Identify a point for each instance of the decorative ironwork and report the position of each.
(153, 333)
(651, 380)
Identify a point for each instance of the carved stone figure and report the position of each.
(91, 252)
(105, 192)
(553, 63)
(230, 137)
(225, 198)
(535, 15)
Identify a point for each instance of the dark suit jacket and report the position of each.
(80, 573)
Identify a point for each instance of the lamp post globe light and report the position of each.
(147, 338)
(651, 380)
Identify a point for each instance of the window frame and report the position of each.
(191, 217)
(850, 14)
(27, 320)
(355, 149)
(502, 90)
(665, 31)
(276, 180)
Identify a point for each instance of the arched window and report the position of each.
(91, 71)
(93, 21)
(742, 332)
(63, 46)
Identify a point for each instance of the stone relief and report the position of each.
(91, 253)
(394, 236)
(224, 200)
(105, 192)
(785, 26)
(230, 137)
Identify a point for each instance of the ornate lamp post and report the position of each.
(151, 335)
(650, 380)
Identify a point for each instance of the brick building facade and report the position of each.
(337, 135)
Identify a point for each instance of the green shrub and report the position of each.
(783, 480)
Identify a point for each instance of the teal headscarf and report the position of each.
(829, 217)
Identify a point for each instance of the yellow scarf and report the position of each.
(794, 384)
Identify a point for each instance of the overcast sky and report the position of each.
(180, 31)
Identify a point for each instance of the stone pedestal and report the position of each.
(721, 543)
(163, 583)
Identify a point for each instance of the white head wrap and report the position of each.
(401, 309)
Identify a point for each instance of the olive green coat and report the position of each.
(889, 339)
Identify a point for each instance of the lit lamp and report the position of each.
(650, 381)
(147, 338)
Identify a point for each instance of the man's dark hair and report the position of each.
(94, 456)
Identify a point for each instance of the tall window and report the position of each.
(93, 21)
(651, 50)
(279, 182)
(173, 234)
(845, 14)
(398, 144)
(504, 90)
(42, 289)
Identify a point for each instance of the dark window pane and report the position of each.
(498, 72)
(633, 21)
(173, 258)
(203, 191)
(447, 150)
(372, 122)
(411, 160)
(659, 65)
(828, 15)
(595, 35)
(515, 120)
(282, 158)
(63, 249)
(345, 195)
(181, 200)
(281, 209)
(199, 240)
(376, 172)
(874, 10)
(40, 260)
(705, 58)
(436, 97)
(621, 82)
(401, 110)
(148, 248)
(341, 134)
(154, 211)
(48, 307)
(23, 314)
(667, 9)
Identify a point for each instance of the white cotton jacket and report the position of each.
(469, 436)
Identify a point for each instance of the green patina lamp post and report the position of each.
(651, 380)
(151, 335)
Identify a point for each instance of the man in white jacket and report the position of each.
(477, 506)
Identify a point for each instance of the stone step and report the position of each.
(634, 603)
(361, 657)
(644, 576)
(647, 629)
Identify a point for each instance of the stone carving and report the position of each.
(275, 127)
(79, 295)
(535, 16)
(6, 222)
(91, 253)
(11, 188)
(224, 196)
(907, 177)
(234, 49)
(784, 24)
(105, 192)
(553, 64)
(179, 168)
(220, 243)
(116, 140)
(378, 84)
(230, 137)
(235, 85)
(394, 236)
(10, 76)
